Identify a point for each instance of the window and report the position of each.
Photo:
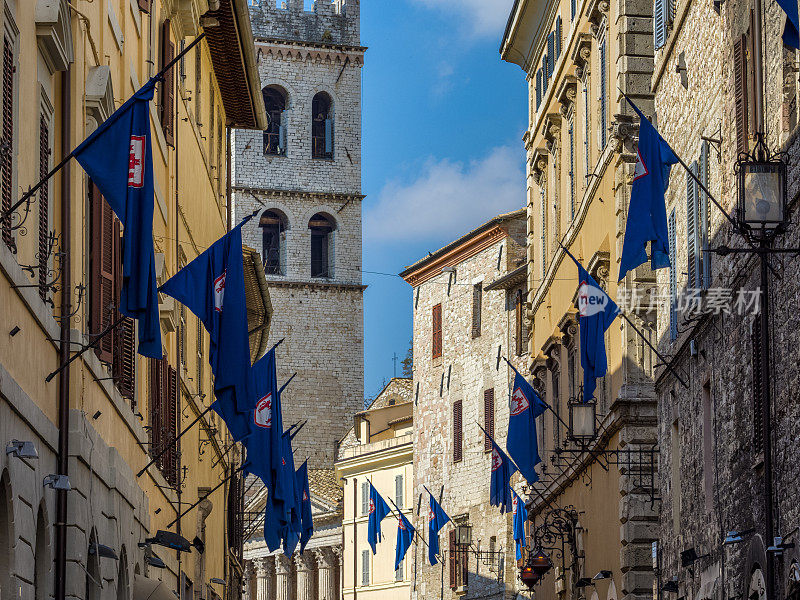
(488, 418)
(164, 418)
(692, 233)
(398, 491)
(519, 318)
(571, 141)
(322, 126)
(477, 298)
(543, 191)
(166, 105)
(458, 432)
(398, 574)
(365, 567)
(587, 128)
(573, 9)
(744, 87)
(659, 23)
(603, 59)
(322, 227)
(44, 204)
(273, 224)
(436, 331)
(458, 562)
(275, 134)
(673, 279)
(556, 404)
(705, 256)
(365, 498)
(198, 86)
(539, 90)
(7, 140)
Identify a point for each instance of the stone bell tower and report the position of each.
(303, 175)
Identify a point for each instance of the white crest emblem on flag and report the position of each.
(519, 402)
(496, 460)
(641, 168)
(431, 514)
(514, 505)
(371, 506)
(262, 415)
(219, 291)
(591, 300)
(136, 162)
(305, 496)
(401, 524)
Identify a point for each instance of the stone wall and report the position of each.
(468, 366)
(329, 23)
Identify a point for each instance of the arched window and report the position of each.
(322, 126)
(273, 225)
(275, 134)
(42, 560)
(322, 227)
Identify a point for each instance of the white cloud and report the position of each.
(447, 199)
(481, 17)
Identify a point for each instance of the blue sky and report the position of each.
(443, 119)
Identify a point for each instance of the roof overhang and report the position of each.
(259, 305)
(233, 55)
(510, 280)
(527, 25)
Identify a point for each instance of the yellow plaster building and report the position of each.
(66, 66)
(378, 449)
(577, 55)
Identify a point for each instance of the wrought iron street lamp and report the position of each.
(761, 212)
(582, 420)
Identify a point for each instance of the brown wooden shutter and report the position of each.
(740, 89)
(488, 418)
(758, 387)
(477, 298)
(125, 360)
(154, 407)
(171, 465)
(518, 322)
(144, 5)
(44, 204)
(104, 257)
(452, 563)
(437, 331)
(458, 433)
(167, 104)
(7, 141)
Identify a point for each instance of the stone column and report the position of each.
(326, 572)
(283, 576)
(265, 570)
(305, 576)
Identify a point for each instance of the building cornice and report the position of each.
(278, 193)
(311, 50)
(321, 285)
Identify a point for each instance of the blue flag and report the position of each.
(212, 287)
(502, 470)
(647, 212)
(520, 516)
(254, 428)
(306, 517)
(791, 37)
(280, 490)
(405, 535)
(118, 158)
(596, 312)
(293, 529)
(437, 519)
(378, 509)
(522, 442)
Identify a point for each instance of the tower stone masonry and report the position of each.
(303, 176)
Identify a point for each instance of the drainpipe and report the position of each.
(64, 342)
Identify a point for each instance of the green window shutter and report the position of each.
(659, 23)
(673, 279)
(706, 256)
(691, 227)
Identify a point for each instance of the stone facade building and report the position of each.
(595, 496)
(711, 437)
(302, 175)
(377, 449)
(66, 67)
(468, 301)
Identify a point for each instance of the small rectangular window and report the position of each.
(477, 300)
(457, 432)
(365, 498)
(398, 491)
(436, 331)
(398, 574)
(365, 567)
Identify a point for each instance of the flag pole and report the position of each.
(288, 381)
(211, 491)
(80, 352)
(172, 443)
(65, 160)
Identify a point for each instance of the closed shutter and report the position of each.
(172, 464)
(167, 105)
(704, 216)
(451, 558)
(758, 386)
(103, 259)
(551, 54)
(488, 418)
(365, 567)
(125, 360)
(518, 321)
(398, 491)
(365, 498)
(538, 88)
(458, 433)
(7, 141)
(571, 132)
(477, 301)
(691, 227)
(673, 278)
(558, 37)
(437, 331)
(398, 574)
(545, 76)
(740, 93)
(155, 406)
(659, 23)
(573, 5)
(603, 52)
(44, 204)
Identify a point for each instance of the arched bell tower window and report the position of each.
(322, 229)
(273, 225)
(322, 126)
(275, 134)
